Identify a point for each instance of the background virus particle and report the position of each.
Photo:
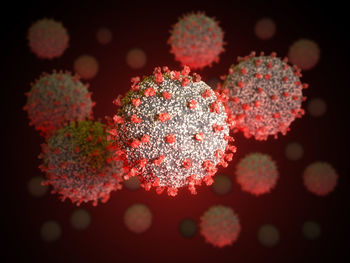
(188, 228)
(133, 183)
(304, 53)
(48, 38)
(317, 107)
(50, 231)
(80, 219)
(257, 173)
(104, 36)
(311, 230)
(172, 131)
(264, 95)
(196, 40)
(320, 178)
(35, 187)
(268, 235)
(86, 66)
(136, 58)
(79, 163)
(222, 184)
(138, 218)
(294, 151)
(265, 28)
(220, 226)
(57, 99)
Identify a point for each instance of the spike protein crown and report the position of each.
(172, 131)
(196, 40)
(263, 94)
(79, 163)
(56, 99)
(257, 173)
(48, 38)
(220, 226)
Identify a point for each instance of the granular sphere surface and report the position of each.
(86, 66)
(265, 28)
(138, 218)
(304, 53)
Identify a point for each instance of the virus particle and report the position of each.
(294, 151)
(133, 183)
(79, 163)
(48, 38)
(257, 173)
(35, 187)
(104, 36)
(138, 218)
(263, 94)
(304, 53)
(220, 226)
(80, 219)
(268, 235)
(57, 99)
(196, 40)
(222, 185)
(320, 178)
(172, 131)
(50, 231)
(265, 28)
(311, 230)
(317, 107)
(86, 66)
(136, 58)
(188, 228)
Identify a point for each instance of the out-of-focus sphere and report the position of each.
(317, 107)
(311, 230)
(80, 219)
(304, 53)
(136, 58)
(268, 235)
(86, 66)
(132, 183)
(50, 231)
(35, 188)
(188, 228)
(294, 151)
(138, 218)
(222, 184)
(104, 36)
(265, 28)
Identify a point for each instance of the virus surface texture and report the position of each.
(172, 130)
(56, 99)
(263, 94)
(196, 40)
(79, 163)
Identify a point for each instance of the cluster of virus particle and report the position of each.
(268, 235)
(86, 66)
(320, 178)
(138, 218)
(136, 58)
(172, 131)
(196, 40)
(220, 226)
(56, 99)
(304, 53)
(263, 94)
(48, 38)
(79, 163)
(265, 28)
(104, 36)
(257, 173)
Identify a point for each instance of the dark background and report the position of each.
(147, 26)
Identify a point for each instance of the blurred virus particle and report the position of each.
(80, 219)
(35, 187)
(294, 151)
(56, 99)
(317, 107)
(268, 235)
(222, 184)
(136, 58)
(263, 94)
(257, 173)
(133, 183)
(320, 178)
(138, 218)
(172, 131)
(188, 228)
(104, 36)
(196, 40)
(79, 163)
(265, 28)
(86, 66)
(304, 53)
(50, 231)
(48, 38)
(220, 226)
(311, 230)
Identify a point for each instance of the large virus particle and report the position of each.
(196, 40)
(220, 226)
(320, 178)
(263, 94)
(257, 173)
(172, 131)
(304, 53)
(48, 38)
(79, 163)
(56, 99)
(138, 218)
